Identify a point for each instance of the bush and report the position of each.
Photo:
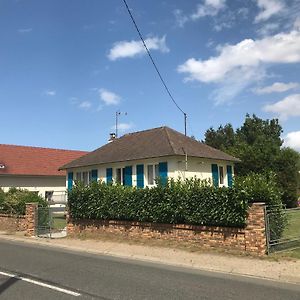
(263, 188)
(14, 201)
(191, 202)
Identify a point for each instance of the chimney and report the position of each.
(112, 136)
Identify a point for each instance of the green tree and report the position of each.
(222, 138)
(258, 144)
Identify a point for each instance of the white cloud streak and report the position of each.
(122, 127)
(208, 8)
(285, 108)
(24, 30)
(268, 8)
(108, 97)
(50, 93)
(125, 49)
(85, 105)
(277, 87)
(292, 140)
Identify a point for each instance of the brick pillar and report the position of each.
(255, 232)
(70, 225)
(31, 218)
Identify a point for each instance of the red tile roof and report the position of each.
(24, 160)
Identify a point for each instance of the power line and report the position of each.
(155, 66)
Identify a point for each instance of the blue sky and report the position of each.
(66, 67)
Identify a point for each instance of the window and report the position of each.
(152, 173)
(85, 178)
(221, 174)
(119, 175)
(78, 176)
(49, 195)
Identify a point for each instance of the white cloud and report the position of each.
(285, 108)
(50, 93)
(247, 54)
(268, 29)
(85, 105)
(277, 87)
(208, 8)
(292, 140)
(24, 30)
(268, 8)
(108, 97)
(180, 18)
(238, 66)
(124, 49)
(122, 127)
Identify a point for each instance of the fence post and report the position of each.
(255, 232)
(31, 218)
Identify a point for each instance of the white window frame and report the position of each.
(221, 183)
(155, 173)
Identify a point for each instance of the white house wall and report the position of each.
(198, 167)
(177, 168)
(39, 184)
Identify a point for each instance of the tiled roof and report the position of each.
(24, 160)
(157, 142)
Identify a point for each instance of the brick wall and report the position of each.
(21, 223)
(249, 239)
(12, 222)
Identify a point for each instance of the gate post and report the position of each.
(31, 218)
(255, 232)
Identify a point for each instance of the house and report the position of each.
(136, 159)
(34, 168)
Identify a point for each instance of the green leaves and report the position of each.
(192, 202)
(14, 201)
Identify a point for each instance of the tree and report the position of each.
(222, 138)
(258, 144)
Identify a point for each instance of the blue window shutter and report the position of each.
(229, 175)
(215, 174)
(70, 180)
(163, 172)
(94, 174)
(140, 176)
(128, 176)
(109, 173)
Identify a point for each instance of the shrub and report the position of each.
(263, 188)
(192, 202)
(14, 201)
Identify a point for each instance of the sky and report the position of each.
(67, 67)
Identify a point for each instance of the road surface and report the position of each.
(38, 272)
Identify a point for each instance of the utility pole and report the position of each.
(185, 118)
(118, 113)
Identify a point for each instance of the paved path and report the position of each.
(103, 277)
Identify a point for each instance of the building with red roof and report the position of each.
(34, 168)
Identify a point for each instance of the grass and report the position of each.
(59, 221)
(292, 231)
(293, 227)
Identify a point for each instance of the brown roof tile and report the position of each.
(157, 142)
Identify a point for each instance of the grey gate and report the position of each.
(282, 228)
(50, 222)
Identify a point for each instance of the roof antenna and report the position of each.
(118, 113)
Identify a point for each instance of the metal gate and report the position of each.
(51, 222)
(282, 228)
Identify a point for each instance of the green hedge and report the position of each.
(14, 201)
(189, 202)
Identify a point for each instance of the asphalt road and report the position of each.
(48, 273)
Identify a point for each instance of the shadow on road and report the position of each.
(4, 286)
